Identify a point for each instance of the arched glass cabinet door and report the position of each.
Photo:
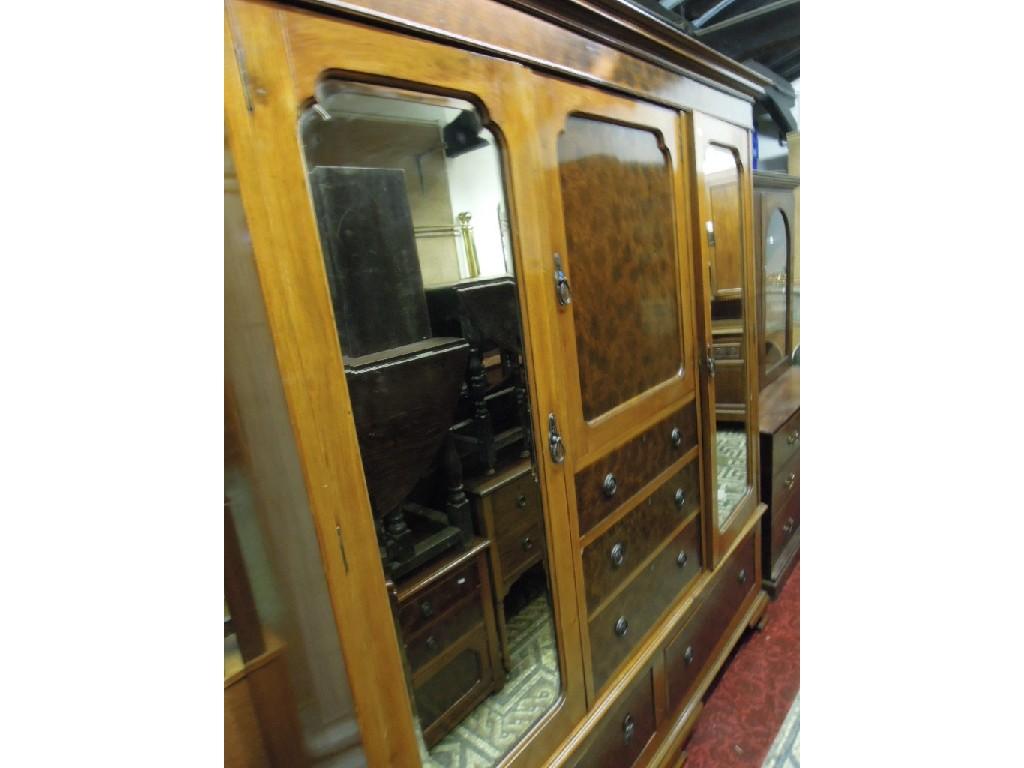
(729, 381)
(410, 203)
(775, 291)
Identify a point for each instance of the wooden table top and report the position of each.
(779, 400)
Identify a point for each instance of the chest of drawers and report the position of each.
(780, 475)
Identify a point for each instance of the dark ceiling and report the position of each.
(763, 34)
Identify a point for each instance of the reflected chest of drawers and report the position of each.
(780, 475)
(507, 510)
(447, 626)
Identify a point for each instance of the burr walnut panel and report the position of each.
(616, 185)
(633, 465)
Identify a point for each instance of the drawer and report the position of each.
(516, 504)
(786, 481)
(521, 549)
(727, 350)
(445, 631)
(785, 521)
(691, 648)
(602, 487)
(457, 686)
(730, 384)
(625, 730)
(786, 442)
(433, 601)
(622, 624)
(616, 554)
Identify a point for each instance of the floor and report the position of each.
(752, 712)
(490, 730)
(731, 462)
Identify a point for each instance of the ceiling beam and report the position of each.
(713, 11)
(742, 18)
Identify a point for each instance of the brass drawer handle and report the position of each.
(618, 555)
(680, 498)
(621, 626)
(527, 544)
(688, 654)
(681, 558)
(677, 437)
(793, 437)
(791, 480)
(426, 608)
(521, 502)
(742, 576)
(609, 486)
(628, 729)
(431, 643)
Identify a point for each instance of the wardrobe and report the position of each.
(492, 373)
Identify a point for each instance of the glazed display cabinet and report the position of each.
(492, 459)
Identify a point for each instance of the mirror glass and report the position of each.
(774, 287)
(728, 305)
(411, 209)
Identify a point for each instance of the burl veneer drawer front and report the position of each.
(624, 731)
(439, 597)
(689, 651)
(603, 486)
(621, 624)
(444, 631)
(730, 387)
(616, 554)
(786, 442)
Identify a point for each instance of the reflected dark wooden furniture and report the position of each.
(403, 384)
(730, 370)
(780, 476)
(775, 218)
(507, 510)
(447, 627)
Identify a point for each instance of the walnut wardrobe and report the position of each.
(491, 378)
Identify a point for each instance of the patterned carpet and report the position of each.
(732, 470)
(495, 726)
(785, 752)
(750, 701)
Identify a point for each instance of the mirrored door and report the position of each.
(724, 222)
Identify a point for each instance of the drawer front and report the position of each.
(728, 350)
(517, 504)
(616, 554)
(602, 487)
(786, 442)
(622, 624)
(455, 688)
(520, 549)
(433, 601)
(785, 522)
(446, 630)
(786, 482)
(625, 730)
(689, 651)
(730, 386)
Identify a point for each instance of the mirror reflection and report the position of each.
(412, 215)
(725, 239)
(775, 288)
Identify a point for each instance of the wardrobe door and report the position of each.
(622, 277)
(400, 188)
(728, 323)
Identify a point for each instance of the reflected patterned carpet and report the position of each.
(495, 726)
(731, 463)
(785, 752)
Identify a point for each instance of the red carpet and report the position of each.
(747, 705)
